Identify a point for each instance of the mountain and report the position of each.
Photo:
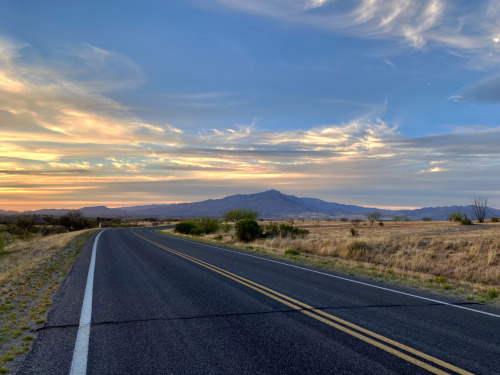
(3, 212)
(271, 204)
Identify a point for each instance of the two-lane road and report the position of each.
(162, 305)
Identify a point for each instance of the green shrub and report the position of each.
(248, 230)
(494, 219)
(208, 224)
(197, 231)
(240, 214)
(493, 293)
(381, 224)
(271, 230)
(292, 252)
(185, 226)
(354, 232)
(218, 237)
(456, 217)
(466, 221)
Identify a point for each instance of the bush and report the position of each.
(427, 219)
(344, 219)
(271, 230)
(240, 214)
(381, 224)
(248, 230)
(466, 221)
(185, 226)
(354, 232)
(494, 219)
(456, 217)
(292, 252)
(208, 224)
(197, 231)
(493, 293)
(286, 230)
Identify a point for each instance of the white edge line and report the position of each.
(345, 279)
(80, 353)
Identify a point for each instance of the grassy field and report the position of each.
(444, 256)
(31, 270)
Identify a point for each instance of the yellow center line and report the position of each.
(331, 321)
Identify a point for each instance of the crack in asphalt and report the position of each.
(131, 321)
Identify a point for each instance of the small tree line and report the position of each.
(246, 227)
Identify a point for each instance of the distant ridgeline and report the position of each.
(271, 204)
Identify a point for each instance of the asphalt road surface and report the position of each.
(152, 304)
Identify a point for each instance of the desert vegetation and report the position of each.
(442, 255)
(31, 270)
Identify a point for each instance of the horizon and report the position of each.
(126, 205)
(376, 104)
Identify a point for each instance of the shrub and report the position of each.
(185, 226)
(248, 230)
(456, 217)
(344, 219)
(196, 231)
(208, 224)
(466, 221)
(292, 252)
(271, 230)
(494, 219)
(356, 222)
(381, 224)
(240, 214)
(493, 293)
(354, 232)
(427, 219)
(218, 237)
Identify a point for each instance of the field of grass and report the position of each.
(444, 256)
(31, 270)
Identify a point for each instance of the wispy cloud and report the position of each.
(470, 29)
(62, 135)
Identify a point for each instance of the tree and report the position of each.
(240, 214)
(248, 230)
(73, 220)
(373, 217)
(480, 206)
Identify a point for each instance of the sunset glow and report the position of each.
(376, 104)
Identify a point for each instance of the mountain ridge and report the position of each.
(271, 204)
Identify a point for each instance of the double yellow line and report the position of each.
(400, 350)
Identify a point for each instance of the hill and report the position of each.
(271, 204)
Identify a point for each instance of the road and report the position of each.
(162, 305)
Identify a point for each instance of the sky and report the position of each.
(381, 103)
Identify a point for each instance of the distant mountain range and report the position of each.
(271, 204)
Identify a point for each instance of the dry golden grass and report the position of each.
(458, 252)
(24, 256)
(440, 251)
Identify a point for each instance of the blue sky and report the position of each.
(380, 103)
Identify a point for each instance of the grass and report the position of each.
(30, 272)
(441, 256)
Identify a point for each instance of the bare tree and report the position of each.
(373, 217)
(480, 206)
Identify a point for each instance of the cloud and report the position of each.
(467, 29)
(485, 91)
